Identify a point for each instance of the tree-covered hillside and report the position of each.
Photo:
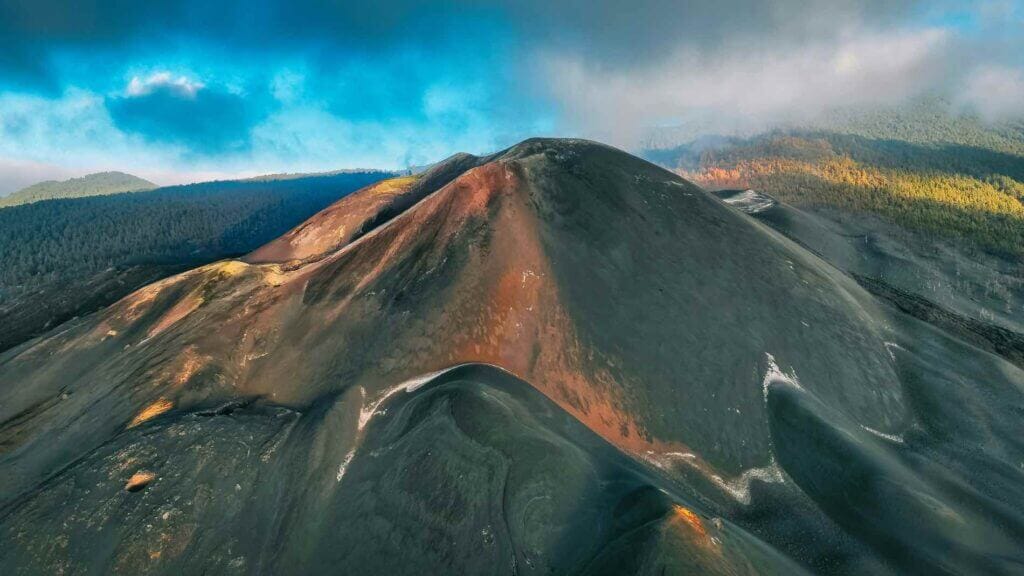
(98, 184)
(63, 258)
(952, 192)
(943, 175)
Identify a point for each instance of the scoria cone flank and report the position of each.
(555, 359)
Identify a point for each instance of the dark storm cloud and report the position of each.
(407, 77)
(202, 119)
(606, 29)
(33, 31)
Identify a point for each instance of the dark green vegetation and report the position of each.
(98, 184)
(945, 192)
(64, 258)
(693, 392)
(924, 168)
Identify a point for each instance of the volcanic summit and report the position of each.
(555, 359)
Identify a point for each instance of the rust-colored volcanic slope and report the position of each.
(556, 358)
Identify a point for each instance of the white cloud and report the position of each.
(71, 135)
(288, 85)
(308, 137)
(748, 85)
(995, 92)
(179, 85)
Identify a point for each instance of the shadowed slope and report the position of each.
(474, 472)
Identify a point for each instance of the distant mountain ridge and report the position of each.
(98, 184)
(277, 176)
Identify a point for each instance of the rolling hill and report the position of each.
(98, 184)
(66, 258)
(555, 359)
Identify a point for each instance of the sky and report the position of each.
(191, 90)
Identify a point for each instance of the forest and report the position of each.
(63, 258)
(968, 189)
